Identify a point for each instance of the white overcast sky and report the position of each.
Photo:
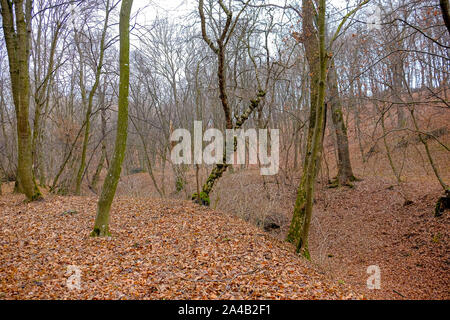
(178, 8)
(150, 9)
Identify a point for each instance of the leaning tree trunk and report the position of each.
(16, 29)
(443, 202)
(219, 169)
(101, 227)
(220, 51)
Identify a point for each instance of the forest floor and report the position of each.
(371, 225)
(158, 250)
(178, 250)
(173, 249)
(352, 228)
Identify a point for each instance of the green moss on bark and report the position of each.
(101, 227)
(203, 199)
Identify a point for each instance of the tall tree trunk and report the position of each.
(445, 13)
(311, 43)
(41, 100)
(17, 31)
(317, 142)
(101, 227)
(430, 158)
(397, 78)
(102, 160)
(345, 175)
(358, 119)
(87, 120)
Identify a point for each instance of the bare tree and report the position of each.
(101, 227)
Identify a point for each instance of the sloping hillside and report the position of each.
(159, 250)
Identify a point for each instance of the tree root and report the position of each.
(442, 204)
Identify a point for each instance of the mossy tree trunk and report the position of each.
(345, 175)
(101, 227)
(314, 42)
(17, 32)
(219, 169)
(311, 43)
(314, 161)
(219, 48)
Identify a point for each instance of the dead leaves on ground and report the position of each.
(159, 250)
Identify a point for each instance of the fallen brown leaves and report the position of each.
(159, 250)
(370, 225)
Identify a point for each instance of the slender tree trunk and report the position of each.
(345, 175)
(101, 227)
(219, 169)
(311, 44)
(398, 76)
(98, 170)
(358, 120)
(102, 160)
(3, 131)
(17, 30)
(314, 162)
(41, 100)
(397, 173)
(427, 149)
(82, 167)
